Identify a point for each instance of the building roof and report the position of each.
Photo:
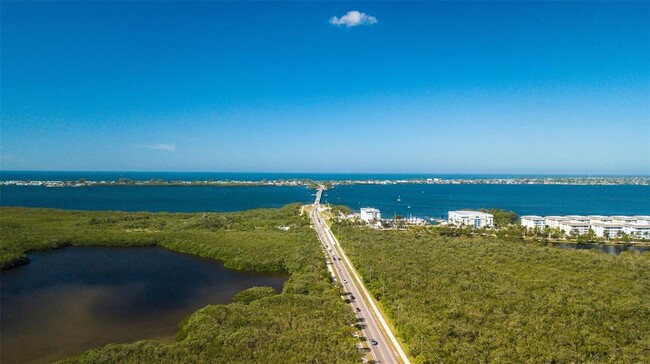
(638, 226)
(369, 209)
(532, 217)
(556, 218)
(470, 213)
(608, 225)
(575, 224)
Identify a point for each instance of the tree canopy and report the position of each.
(458, 299)
(307, 323)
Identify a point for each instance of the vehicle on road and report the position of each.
(358, 309)
(373, 342)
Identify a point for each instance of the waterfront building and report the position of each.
(370, 214)
(577, 218)
(602, 226)
(642, 219)
(607, 230)
(574, 228)
(477, 219)
(554, 221)
(533, 222)
(596, 219)
(637, 230)
(623, 219)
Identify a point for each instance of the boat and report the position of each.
(399, 198)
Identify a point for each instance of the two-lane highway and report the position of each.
(382, 345)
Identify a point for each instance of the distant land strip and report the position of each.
(579, 181)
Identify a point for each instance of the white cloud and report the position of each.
(352, 19)
(159, 146)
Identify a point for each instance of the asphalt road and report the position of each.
(382, 352)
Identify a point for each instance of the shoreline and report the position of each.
(314, 184)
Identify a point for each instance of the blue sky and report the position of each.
(465, 87)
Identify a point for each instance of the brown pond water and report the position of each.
(69, 300)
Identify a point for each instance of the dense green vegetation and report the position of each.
(502, 218)
(306, 323)
(462, 299)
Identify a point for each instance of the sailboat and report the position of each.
(399, 198)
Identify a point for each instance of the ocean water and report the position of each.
(154, 198)
(434, 201)
(427, 201)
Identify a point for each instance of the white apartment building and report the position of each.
(637, 230)
(603, 226)
(554, 221)
(574, 228)
(596, 219)
(623, 220)
(642, 219)
(607, 230)
(577, 218)
(532, 222)
(476, 219)
(370, 214)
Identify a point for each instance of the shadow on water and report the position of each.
(73, 299)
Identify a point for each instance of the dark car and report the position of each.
(373, 342)
(358, 309)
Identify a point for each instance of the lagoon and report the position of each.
(68, 300)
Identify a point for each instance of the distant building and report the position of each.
(599, 219)
(574, 228)
(607, 230)
(623, 220)
(476, 219)
(370, 214)
(533, 222)
(642, 219)
(554, 221)
(577, 218)
(603, 226)
(637, 230)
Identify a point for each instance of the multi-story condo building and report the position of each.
(574, 227)
(476, 219)
(595, 219)
(642, 219)
(554, 221)
(533, 222)
(607, 230)
(637, 230)
(623, 219)
(370, 214)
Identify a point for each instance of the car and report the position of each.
(345, 281)
(373, 342)
(358, 309)
(352, 297)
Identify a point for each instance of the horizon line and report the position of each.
(335, 173)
